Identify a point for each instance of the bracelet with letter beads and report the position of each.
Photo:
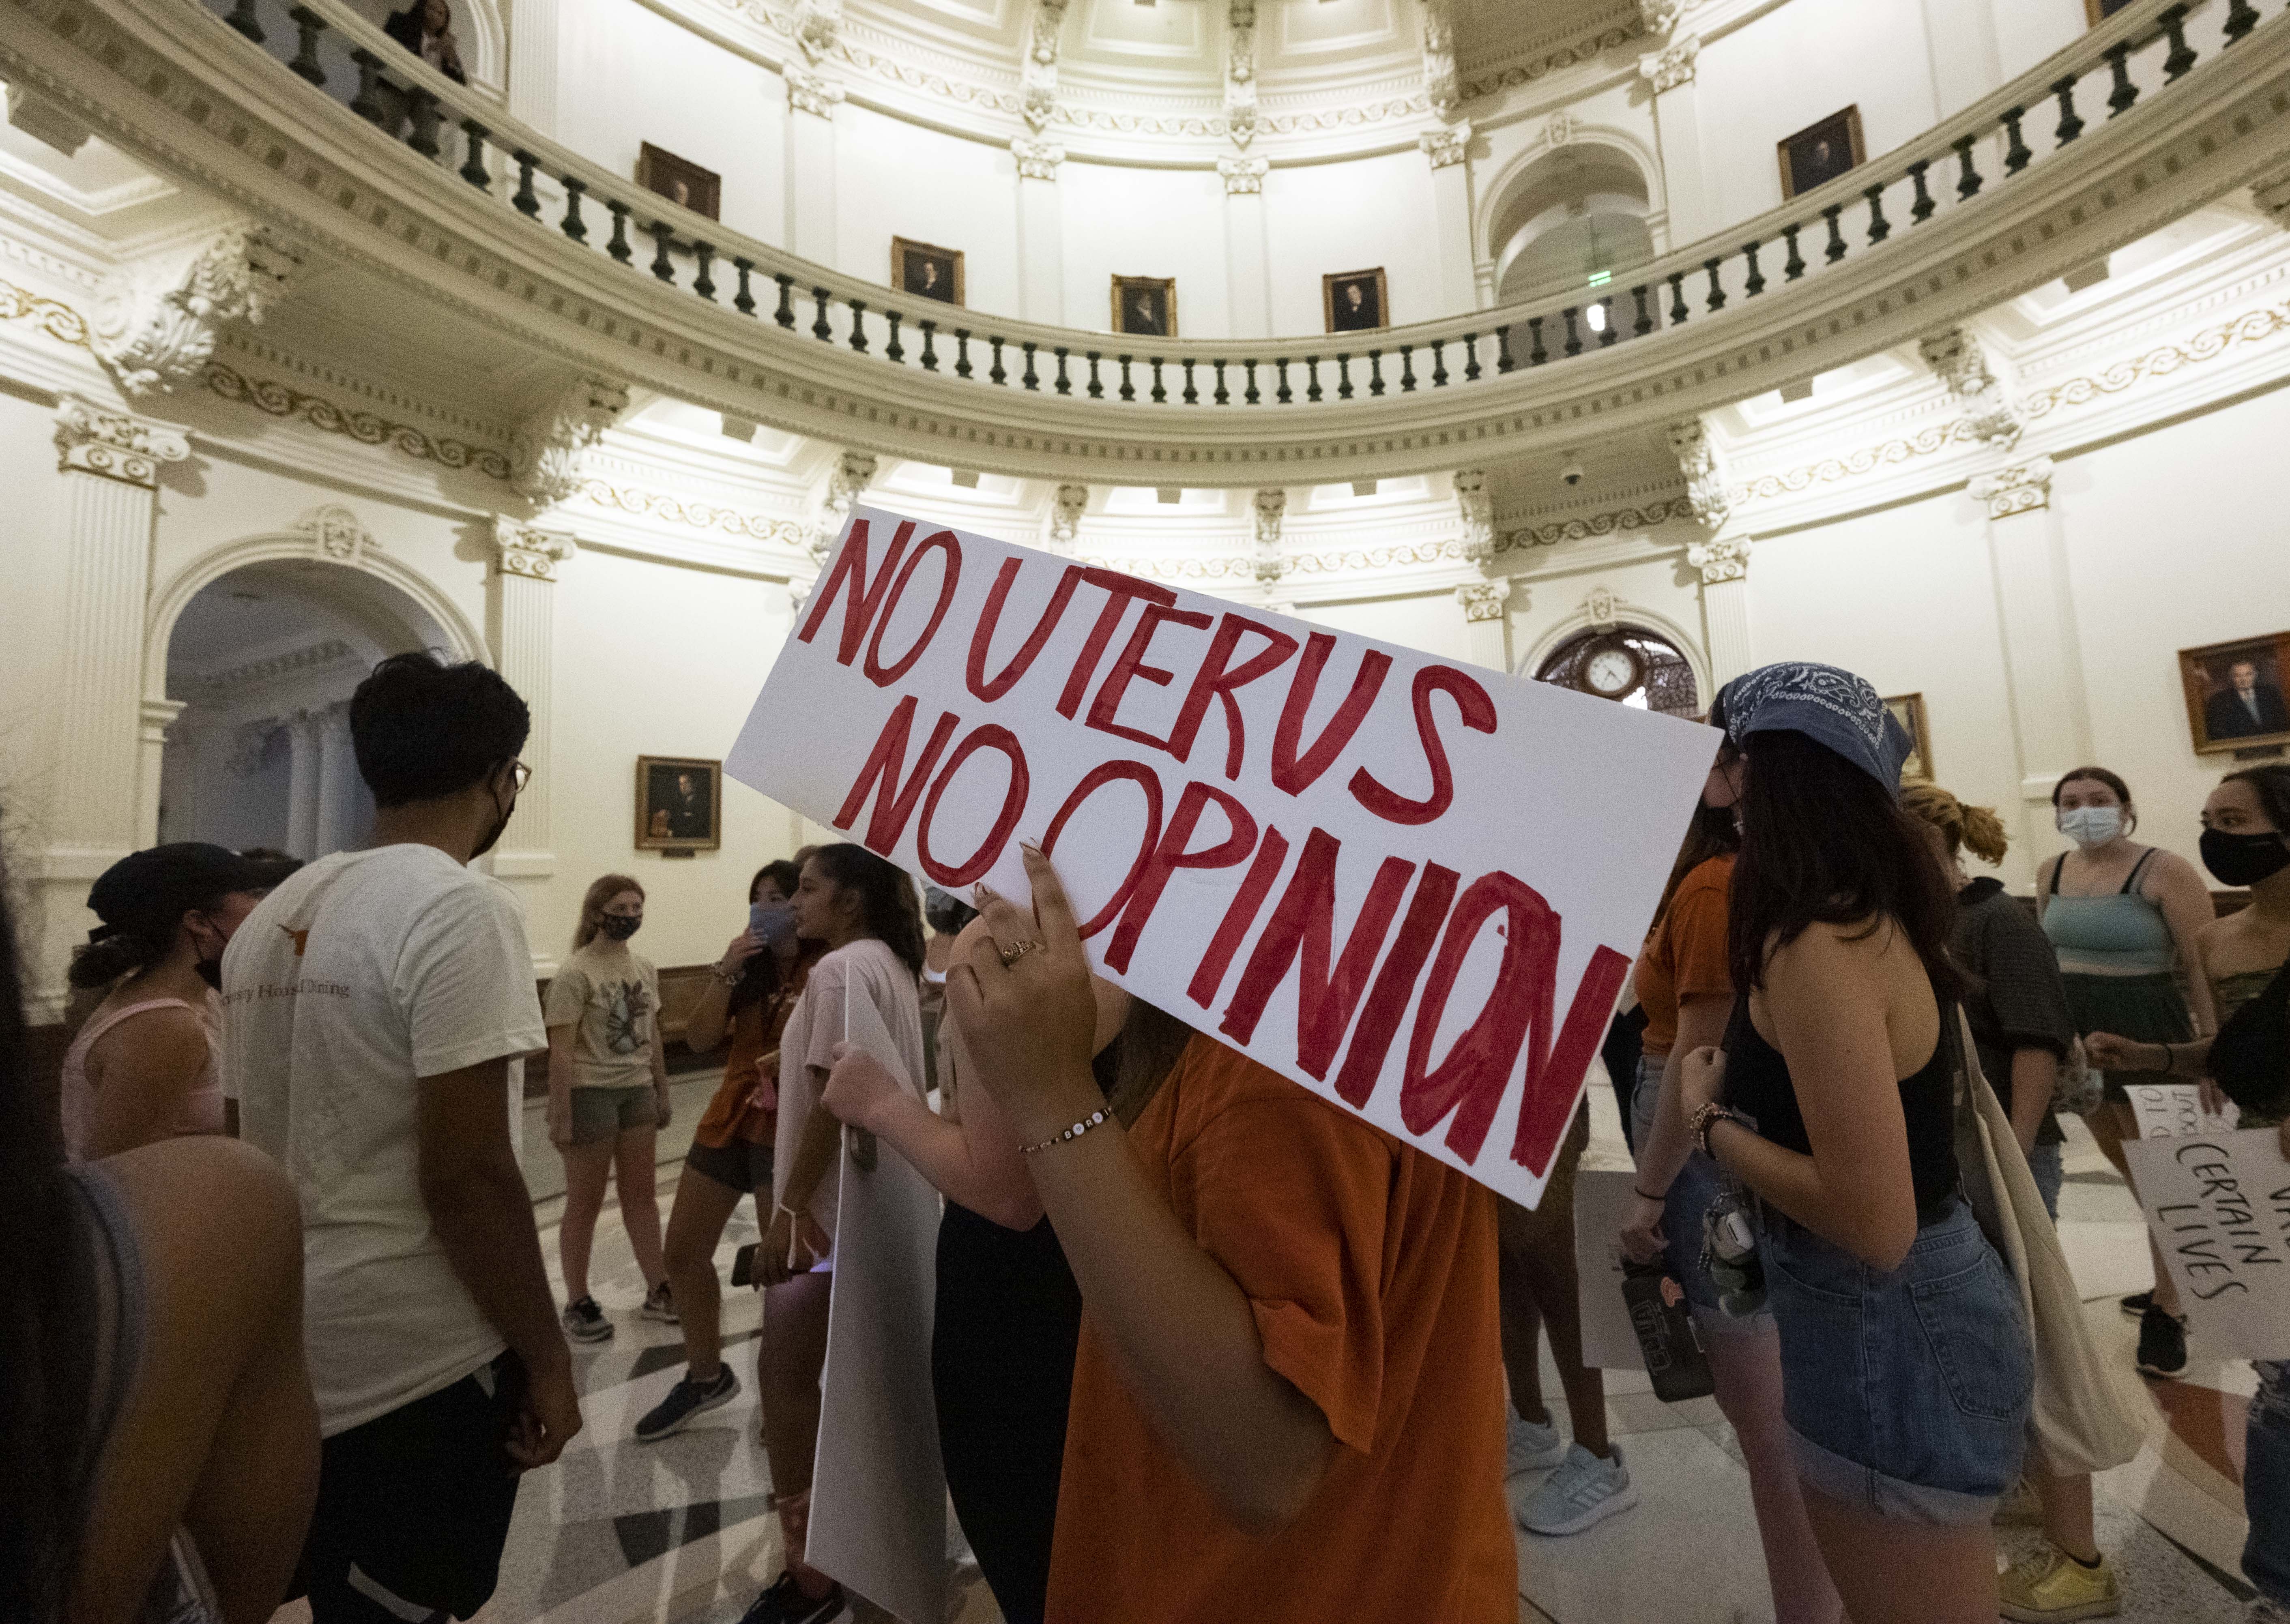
(1095, 1119)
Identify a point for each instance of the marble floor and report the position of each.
(616, 1533)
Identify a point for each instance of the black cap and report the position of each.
(148, 892)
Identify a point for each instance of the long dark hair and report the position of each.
(2271, 785)
(889, 907)
(1824, 842)
(759, 981)
(1713, 833)
(47, 1329)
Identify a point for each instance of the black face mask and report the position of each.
(210, 972)
(619, 926)
(2243, 860)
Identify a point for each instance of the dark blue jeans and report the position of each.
(2266, 1483)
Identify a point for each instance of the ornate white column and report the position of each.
(1041, 231)
(521, 626)
(1247, 260)
(1487, 622)
(305, 780)
(155, 717)
(337, 776)
(532, 63)
(1724, 564)
(811, 97)
(1678, 129)
(1449, 151)
(101, 799)
(2051, 716)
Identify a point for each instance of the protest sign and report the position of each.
(2219, 1207)
(2171, 1110)
(1602, 1202)
(1411, 886)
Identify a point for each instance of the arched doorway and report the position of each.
(1625, 663)
(1575, 219)
(263, 660)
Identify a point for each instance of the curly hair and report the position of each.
(1976, 829)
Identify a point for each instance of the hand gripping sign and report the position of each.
(1413, 887)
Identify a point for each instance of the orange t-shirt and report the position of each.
(755, 1028)
(1686, 957)
(1371, 1268)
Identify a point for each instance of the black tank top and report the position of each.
(1758, 1082)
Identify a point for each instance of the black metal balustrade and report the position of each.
(2122, 64)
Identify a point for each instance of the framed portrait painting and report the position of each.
(926, 271)
(1909, 710)
(2235, 693)
(679, 805)
(1354, 302)
(680, 180)
(1145, 306)
(1821, 152)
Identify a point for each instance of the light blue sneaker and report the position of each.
(1583, 1491)
(1531, 1446)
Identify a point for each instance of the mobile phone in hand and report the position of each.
(743, 1264)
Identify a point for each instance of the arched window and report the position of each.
(1637, 668)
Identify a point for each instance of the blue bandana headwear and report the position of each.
(1832, 707)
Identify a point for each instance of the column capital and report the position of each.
(1243, 177)
(811, 93)
(2024, 487)
(1448, 147)
(1036, 160)
(1065, 516)
(93, 439)
(1671, 66)
(519, 548)
(1484, 600)
(1720, 558)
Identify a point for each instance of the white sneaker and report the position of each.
(1531, 1446)
(1583, 1491)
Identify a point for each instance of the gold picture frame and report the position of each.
(2224, 714)
(669, 793)
(924, 270)
(680, 180)
(1909, 710)
(1145, 307)
(1811, 158)
(1354, 302)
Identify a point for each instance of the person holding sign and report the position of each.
(1287, 1400)
(2242, 959)
(1908, 1370)
(864, 912)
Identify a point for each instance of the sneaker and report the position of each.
(585, 1322)
(1583, 1491)
(784, 1603)
(2136, 1306)
(660, 1306)
(1531, 1446)
(2049, 1584)
(2162, 1344)
(2021, 1508)
(684, 1400)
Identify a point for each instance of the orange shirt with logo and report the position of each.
(1371, 1269)
(1685, 956)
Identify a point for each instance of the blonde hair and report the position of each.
(1975, 828)
(592, 906)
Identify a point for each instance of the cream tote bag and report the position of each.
(2082, 1421)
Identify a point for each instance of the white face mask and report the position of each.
(2091, 826)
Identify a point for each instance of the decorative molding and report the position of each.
(43, 120)
(1623, 519)
(1602, 611)
(2024, 487)
(1957, 358)
(2271, 193)
(1038, 97)
(519, 548)
(155, 331)
(1720, 558)
(811, 93)
(1178, 568)
(1447, 147)
(1036, 160)
(1588, 50)
(790, 533)
(2208, 344)
(1240, 71)
(545, 450)
(93, 439)
(1660, 16)
(311, 657)
(1703, 464)
(1272, 511)
(279, 400)
(1066, 510)
(53, 317)
(1354, 560)
(1477, 511)
(1243, 177)
(1484, 600)
(1560, 130)
(336, 535)
(815, 27)
(850, 476)
(1441, 86)
(1672, 65)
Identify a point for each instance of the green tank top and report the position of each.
(2124, 935)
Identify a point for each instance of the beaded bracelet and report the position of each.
(1096, 1118)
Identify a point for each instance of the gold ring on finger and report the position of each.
(1015, 951)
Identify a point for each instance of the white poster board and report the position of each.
(1602, 1201)
(2171, 1110)
(2218, 1205)
(1411, 886)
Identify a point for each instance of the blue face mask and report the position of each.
(771, 923)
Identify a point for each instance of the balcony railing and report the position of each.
(2131, 61)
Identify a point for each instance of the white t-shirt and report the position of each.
(358, 975)
(862, 988)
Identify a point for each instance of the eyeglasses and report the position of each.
(524, 775)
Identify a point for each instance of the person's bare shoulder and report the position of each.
(204, 1201)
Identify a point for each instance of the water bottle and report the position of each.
(1729, 1252)
(1667, 1334)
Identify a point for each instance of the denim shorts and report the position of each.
(600, 1113)
(1695, 1190)
(1907, 1392)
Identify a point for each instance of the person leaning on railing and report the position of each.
(425, 28)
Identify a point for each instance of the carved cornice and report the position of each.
(1038, 78)
(58, 320)
(1240, 71)
(1587, 49)
(255, 672)
(155, 328)
(367, 429)
(546, 451)
(1484, 600)
(2024, 487)
(521, 549)
(1981, 384)
(1441, 86)
(1476, 508)
(2208, 344)
(1272, 512)
(93, 439)
(1620, 520)
(1703, 464)
(791, 532)
(845, 480)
